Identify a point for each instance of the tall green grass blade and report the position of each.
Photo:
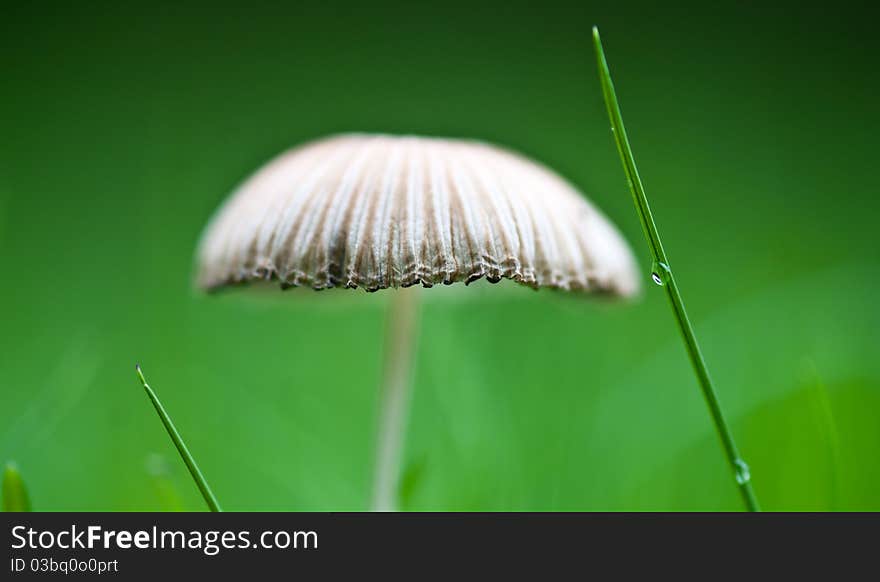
(181, 446)
(15, 495)
(662, 275)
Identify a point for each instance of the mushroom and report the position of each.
(382, 211)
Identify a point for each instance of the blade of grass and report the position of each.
(662, 275)
(15, 495)
(181, 446)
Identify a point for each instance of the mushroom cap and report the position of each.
(379, 211)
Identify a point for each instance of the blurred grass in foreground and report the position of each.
(14, 493)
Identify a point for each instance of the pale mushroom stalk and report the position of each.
(662, 275)
(401, 333)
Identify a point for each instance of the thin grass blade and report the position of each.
(187, 457)
(662, 275)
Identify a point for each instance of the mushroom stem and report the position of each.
(401, 331)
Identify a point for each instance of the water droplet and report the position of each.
(743, 475)
(660, 273)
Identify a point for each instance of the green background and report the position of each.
(122, 127)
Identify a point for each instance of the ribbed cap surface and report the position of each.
(378, 211)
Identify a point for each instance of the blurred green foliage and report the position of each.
(123, 127)
(14, 492)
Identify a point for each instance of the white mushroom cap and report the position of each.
(378, 211)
